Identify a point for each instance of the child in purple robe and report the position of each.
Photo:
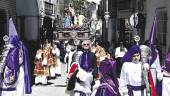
(108, 79)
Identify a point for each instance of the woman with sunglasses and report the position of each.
(87, 62)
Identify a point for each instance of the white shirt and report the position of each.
(119, 53)
(56, 51)
(131, 75)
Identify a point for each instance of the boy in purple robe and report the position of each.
(131, 82)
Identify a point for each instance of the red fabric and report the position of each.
(153, 89)
(73, 67)
(50, 61)
(38, 64)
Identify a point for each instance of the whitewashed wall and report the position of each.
(151, 6)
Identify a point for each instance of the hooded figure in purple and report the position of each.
(16, 73)
(108, 81)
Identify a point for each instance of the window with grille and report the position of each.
(48, 8)
(161, 14)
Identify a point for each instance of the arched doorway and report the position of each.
(47, 30)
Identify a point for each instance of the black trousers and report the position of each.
(119, 66)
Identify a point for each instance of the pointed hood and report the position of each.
(152, 36)
(13, 36)
(152, 41)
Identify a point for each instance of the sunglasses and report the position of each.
(86, 44)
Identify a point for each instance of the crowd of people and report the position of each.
(95, 71)
(47, 63)
(15, 77)
(92, 70)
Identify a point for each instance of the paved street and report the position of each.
(55, 87)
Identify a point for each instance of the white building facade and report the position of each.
(160, 9)
(31, 13)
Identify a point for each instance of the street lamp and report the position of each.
(107, 21)
(93, 27)
(41, 15)
(107, 16)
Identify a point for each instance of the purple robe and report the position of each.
(86, 61)
(166, 67)
(12, 68)
(27, 76)
(12, 65)
(109, 82)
